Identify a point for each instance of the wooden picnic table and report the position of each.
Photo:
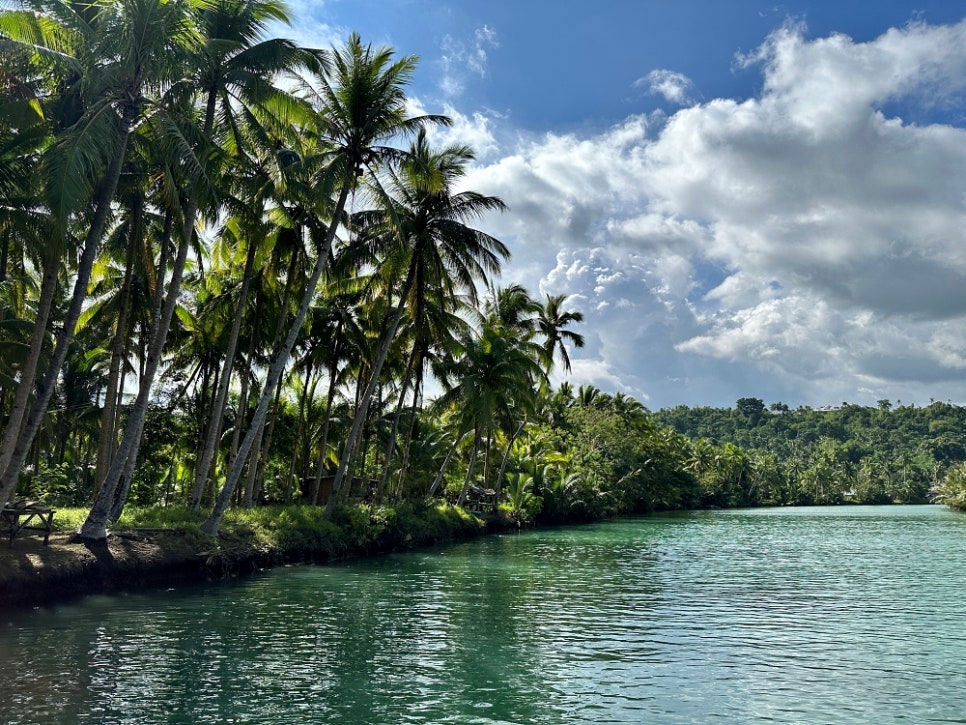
(479, 498)
(35, 517)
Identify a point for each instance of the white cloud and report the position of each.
(811, 187)
(599, 373)
(675, 87)
(807, 241)
(831, 80)
(308, 30)
(475, 130)
(462, 58)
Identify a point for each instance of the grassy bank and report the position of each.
(164, 546)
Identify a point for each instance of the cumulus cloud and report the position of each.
(806, 242)
(476, 130)
(675, 87)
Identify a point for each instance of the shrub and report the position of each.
(952, 490)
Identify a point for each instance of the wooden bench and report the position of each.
(35, 517)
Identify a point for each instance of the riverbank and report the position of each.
(34, 574)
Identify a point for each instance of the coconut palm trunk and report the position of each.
(12, 432)
(445, 465)
(249, 493)
(95, 526)
(391, 444)
(362, 411)
(107, 440)
(218, 406)
(14, 450)
(213, 522)
(506, 457)
(241, 414)
(407, 444)
(314, 491)
(469, 469)
(256, 471)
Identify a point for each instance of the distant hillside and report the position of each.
(859, 453)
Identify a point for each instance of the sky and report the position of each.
(744, 199)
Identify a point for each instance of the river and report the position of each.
(795, 615)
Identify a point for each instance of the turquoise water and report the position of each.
(810, 615)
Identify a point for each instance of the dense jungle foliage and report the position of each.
(849, 453)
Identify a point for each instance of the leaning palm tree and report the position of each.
(29, 246)
(120, 300)
(339, 322)
(437, 321)
(231, 67)
(249, 231)
(361, 106)
(422, 226)
(113, 58)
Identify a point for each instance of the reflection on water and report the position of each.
(816, 615)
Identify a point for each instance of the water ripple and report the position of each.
(770, 616)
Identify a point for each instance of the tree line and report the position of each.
(838, 454)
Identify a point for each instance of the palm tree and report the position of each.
(512, 310)
(334, 338)
(438, 323)
(361, 106)
(434, 324)
(237, 76)
(231, 68)
(492, 372)
(589, 396)
(422, 224)
(520, 493)
(516, 314)
(114, 56)
(249, 232)
(552, 322)
(120, 297)
(631, 410)
(29, 244)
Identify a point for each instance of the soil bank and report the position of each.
(32, 574)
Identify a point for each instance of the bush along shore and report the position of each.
(156, 547)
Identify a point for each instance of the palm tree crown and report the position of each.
(552, 321)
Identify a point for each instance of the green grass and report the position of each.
(144, 517)
(357, 528)
(68, 519)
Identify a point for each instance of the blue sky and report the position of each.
(744, 198)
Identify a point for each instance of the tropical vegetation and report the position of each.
(838, 454)
(232, 267)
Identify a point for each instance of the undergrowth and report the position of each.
(304, 530)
